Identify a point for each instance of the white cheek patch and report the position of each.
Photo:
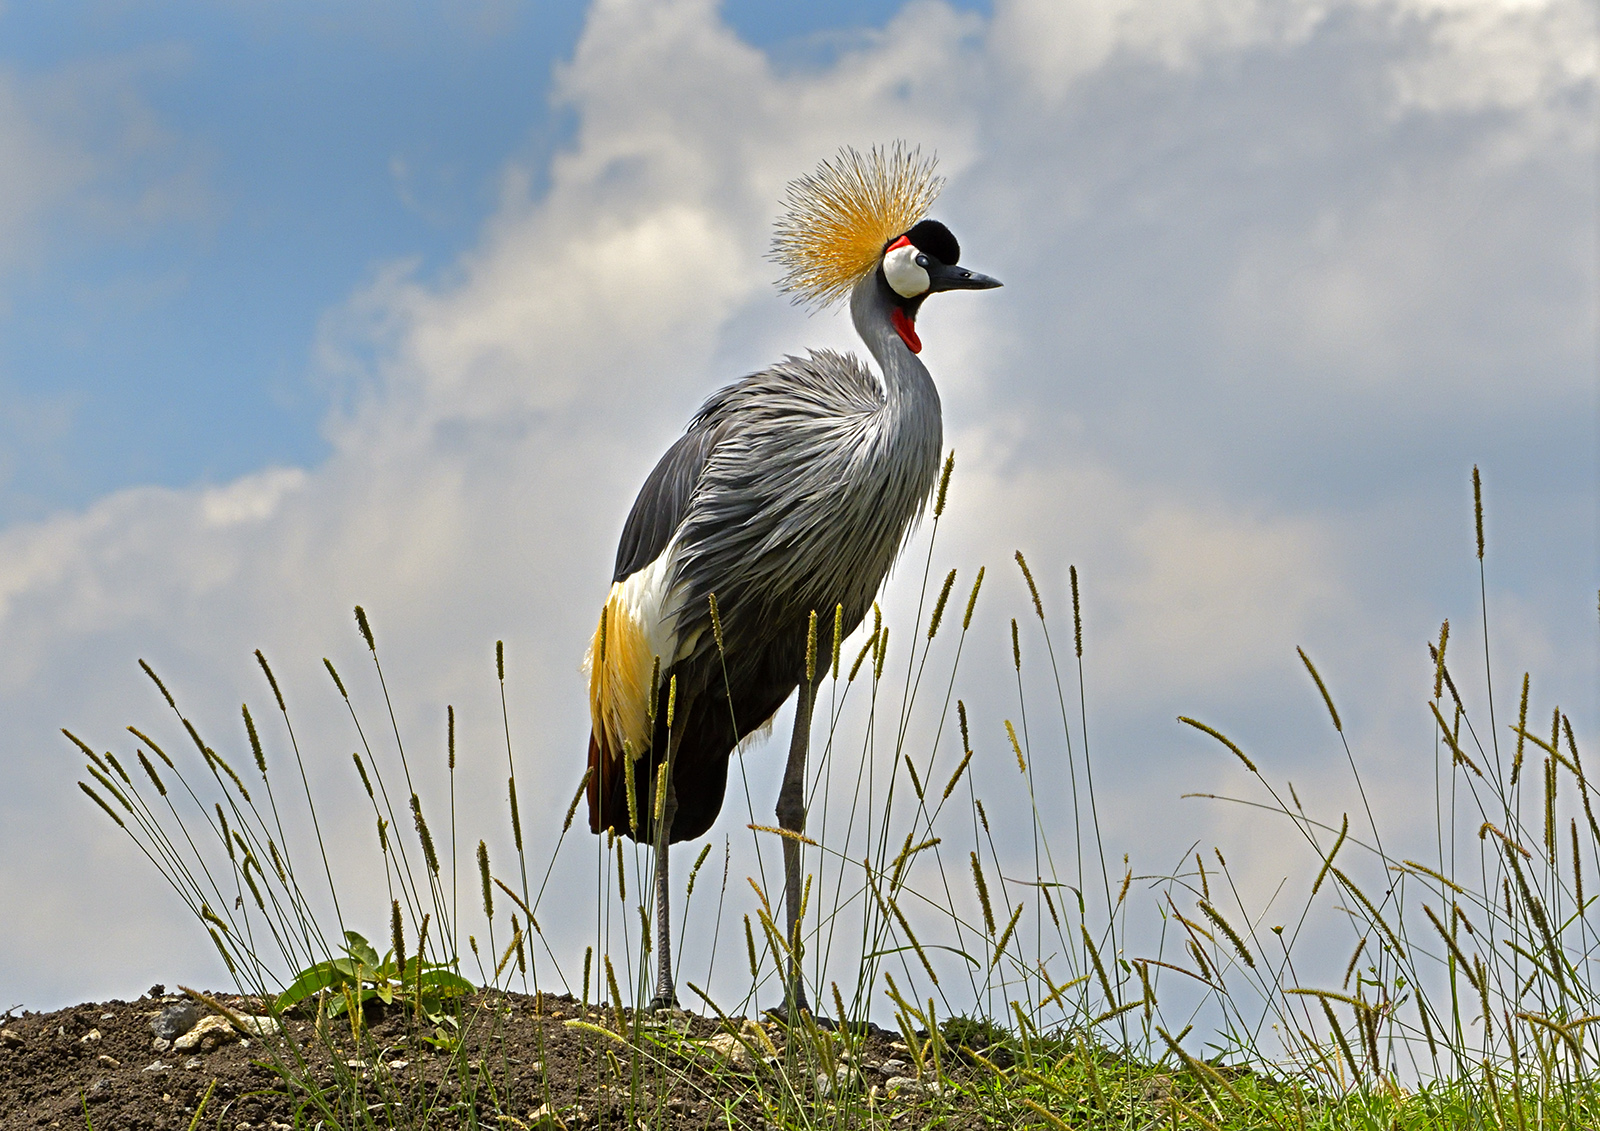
(907, 278)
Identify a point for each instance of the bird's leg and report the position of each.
(791, 815)
(666, 997)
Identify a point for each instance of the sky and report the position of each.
(345, 304)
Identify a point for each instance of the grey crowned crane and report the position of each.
(791, 493)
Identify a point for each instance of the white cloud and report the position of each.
(1182, 282)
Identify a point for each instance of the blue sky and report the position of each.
(349, 304)
(247, 171)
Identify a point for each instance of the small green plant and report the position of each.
(361, 976)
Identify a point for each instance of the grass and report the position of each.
(1009, 967)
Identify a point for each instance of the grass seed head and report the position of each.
(660, 813)
(165, 694)
(255, 739)
(869, 646)
(1016, 747)
(397, 938)
(972, 599)
(366, 628)
(142, 737)
(424, 835)
(516, 813)
(1477, 507)
(577, 796)
(1077, 615)
(628, 783)
(111, 760)
(1322, 687)
(838, 636)
(366, 783)
(337, 682)
(944, 483)
(1220, 737)
(83, 746)
(961, 768)
(695, 870)
(1226, 928)
(150, 772)
(1438, 656)
(272, 680)
(938, 607)
(1033, 590)
(1522, 728)
(483, 876)
(500, 660)
(98, 800)
(983, 894)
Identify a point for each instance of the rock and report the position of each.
(842, 1080)
(730, 1050)
(98, 1092)
(110, 1061)
(911, 1086)
(161, 1044)
(11, 1039)
(157, 1066)
(90, 1037)
(193, 1063)
(1157, 1089)
(259, 1026)
(894, 1068)
(209, 1032)
(108, 1017)
(544, 1118)
(175, 1020)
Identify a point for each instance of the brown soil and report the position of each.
(95, 1066)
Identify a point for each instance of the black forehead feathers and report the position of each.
(937, 240)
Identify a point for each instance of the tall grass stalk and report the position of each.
(1460, 995)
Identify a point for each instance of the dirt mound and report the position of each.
(544, 1062)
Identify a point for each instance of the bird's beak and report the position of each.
(943, 278)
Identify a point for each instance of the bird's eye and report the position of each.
(922, 261)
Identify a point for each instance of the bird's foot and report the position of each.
(794, 1009)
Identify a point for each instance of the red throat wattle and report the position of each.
(907, 329)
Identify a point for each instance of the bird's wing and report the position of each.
(637, 630)
(663, 501)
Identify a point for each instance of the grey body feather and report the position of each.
(792, 491)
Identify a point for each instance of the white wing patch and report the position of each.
(637, 626)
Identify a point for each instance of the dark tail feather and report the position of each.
(608, 790)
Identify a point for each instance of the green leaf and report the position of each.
(309, 981)
(446, 982)
(359, 948)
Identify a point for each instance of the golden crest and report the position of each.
(837, 220)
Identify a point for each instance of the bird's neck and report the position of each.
(907, 385)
